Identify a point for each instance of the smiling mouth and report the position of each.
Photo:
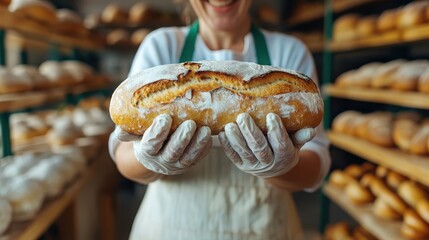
(217, 3)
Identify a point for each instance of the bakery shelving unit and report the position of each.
(53, 209)
(412, 166)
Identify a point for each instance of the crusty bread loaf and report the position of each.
(358, 194)
(345, 27)
(423, 85)
(413, 220)
(411, 192)
(38, 10)
(382, 210)
(403, 132)
(412, 14)
(214, 93)
(419, 142)
(367, 27)
(387, 20)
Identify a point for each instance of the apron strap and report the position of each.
(262, 55)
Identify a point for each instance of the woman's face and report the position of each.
(223, 15)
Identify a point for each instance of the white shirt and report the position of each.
(215, 200)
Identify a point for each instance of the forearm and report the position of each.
(304, 175)
(130, 167)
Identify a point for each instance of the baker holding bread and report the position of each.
(238, 185)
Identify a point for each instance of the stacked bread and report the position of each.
(352, 26)
(406, 130)
(345, 231)
(398, 75)
(29, 180)
(50, 74)
(139, 14)
(64, 21)
(394, 197)
(63, 128)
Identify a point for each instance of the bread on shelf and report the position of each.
(394, 179)
(382, 210)
(403, 132)
(69, 22)
(55, 73)
(114, 14)
(141, 13)
(5, 214)
(358, 194)
(367, 26)
(387, 20)
(412, 193)
(12, 83)
(31, 72)
(139, 35)
(412, 14)
(118, 37)
(345, 27)
(339, 178)
(423, 82)
(37, 10)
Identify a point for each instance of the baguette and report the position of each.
(213, 94)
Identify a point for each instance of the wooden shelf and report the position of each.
(399, 98)
(19, 101)
(413, 166)
(27, 27)
(394, 38)
(52, 210)
(382, 229)
(318, 11)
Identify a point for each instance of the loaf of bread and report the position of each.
(423, 85)
(412, 14)
(358, 194)
(403, 133)
(412, 193)
(394, 179)
(406, 78)
(387, 20)
(381, 78)
(367, 27)
(413, 220)
(420, 140)
(37, 10)
(114, 14)
(214, 93)
(382, 210)
(345, 27)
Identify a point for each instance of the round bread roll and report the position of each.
(381, 78)
(380, 130)
(26, 197)
(64, 132)
(387, 20)
(11, 83)
(419, 142)
(409, 116)
(142, 13)
(412, 193)
(347, 79)
(30, 72)
(138, 36)
(343, 122)
(340, 179)
(394, 179)
(50, 176)
(213, 94)
(381, 171)
(70, 22)
(403, 132)
(37, 10)
(81, 72)
(56, 74)
(382, 210)
(5, 215)
(345, 27)
(412, 14)
(423, 84)
(114, 14)
(367, 27)
(358, 194)
(413, 220)
(355, 171)
(407, 76)
(118, 37)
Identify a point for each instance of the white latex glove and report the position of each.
(261, 156)
(169, 156)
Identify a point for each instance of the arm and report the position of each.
(304, 175)
(130, 167)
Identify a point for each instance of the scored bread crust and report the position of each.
(213, 94)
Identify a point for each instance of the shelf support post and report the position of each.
(5, 134)
(328, 21)
(2, 47)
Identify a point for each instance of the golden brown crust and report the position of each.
(217, 98)
(358, 194)
(412, 193)
(413, 220)
(382, 210)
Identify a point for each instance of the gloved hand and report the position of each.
(252, 152)
(185, 147)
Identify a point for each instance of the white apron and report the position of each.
(215, 200)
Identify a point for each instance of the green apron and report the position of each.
(262, 55)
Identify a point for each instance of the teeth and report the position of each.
(220, 3)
